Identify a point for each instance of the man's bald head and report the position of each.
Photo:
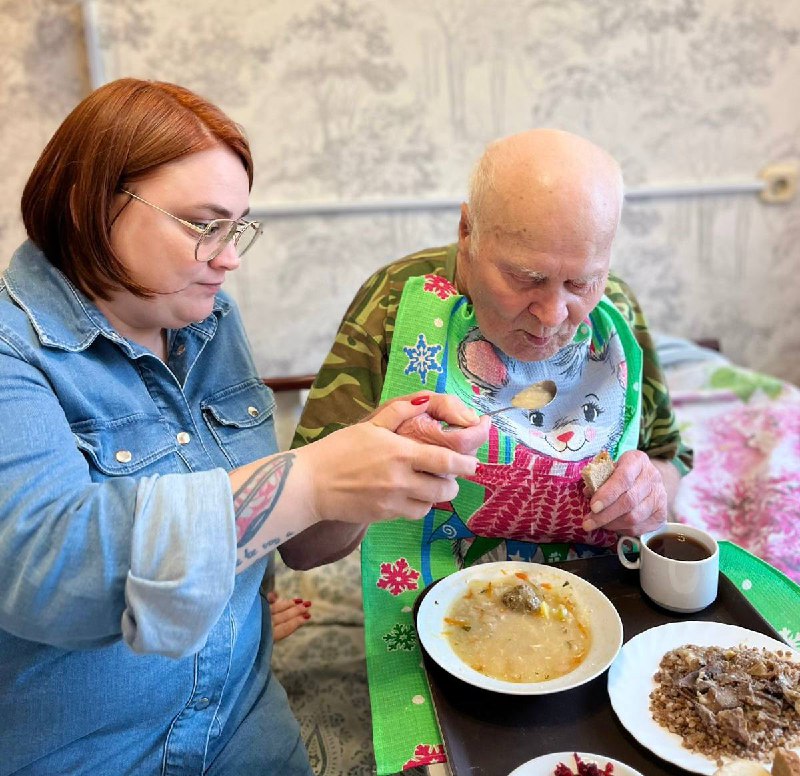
(545, 178)
(534, 243)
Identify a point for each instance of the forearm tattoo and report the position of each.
(255, 500)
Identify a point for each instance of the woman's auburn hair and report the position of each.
(120, 133)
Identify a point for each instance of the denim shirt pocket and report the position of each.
(240, 418)
(127, 446)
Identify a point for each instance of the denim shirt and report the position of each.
(127, 642)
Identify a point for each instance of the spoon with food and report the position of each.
(428, 429)
(534, 397)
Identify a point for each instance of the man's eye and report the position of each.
(536, 418)
(200, 224)
(591, 411)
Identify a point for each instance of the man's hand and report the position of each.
(636, 497)
(466, 430)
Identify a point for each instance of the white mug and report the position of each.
(678, 585)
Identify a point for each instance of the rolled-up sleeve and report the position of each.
(183, 559)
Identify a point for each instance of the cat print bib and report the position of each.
(528, 487)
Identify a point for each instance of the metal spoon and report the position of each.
(534, 397)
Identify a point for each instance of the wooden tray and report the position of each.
(489, 734)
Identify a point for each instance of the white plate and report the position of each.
(601, 618)
(546, 764)
(630, 682)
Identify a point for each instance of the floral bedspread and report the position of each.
(745, 431)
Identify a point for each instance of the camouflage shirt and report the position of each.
(349, 384)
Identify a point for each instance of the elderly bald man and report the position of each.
(524, 295)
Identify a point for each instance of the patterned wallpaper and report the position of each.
(372, 100)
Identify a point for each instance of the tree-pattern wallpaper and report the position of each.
(352, 100)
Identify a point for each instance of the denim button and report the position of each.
(123, 456)
(202, 704)
(180, 350)
(252, 412)
(183, 438)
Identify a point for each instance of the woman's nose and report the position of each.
(228, 258)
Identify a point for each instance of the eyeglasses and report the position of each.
(216, 234)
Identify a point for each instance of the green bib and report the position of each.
(437, 346)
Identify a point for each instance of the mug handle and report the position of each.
(632, 541)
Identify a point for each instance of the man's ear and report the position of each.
(464, 224)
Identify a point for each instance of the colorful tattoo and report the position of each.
(254, 501)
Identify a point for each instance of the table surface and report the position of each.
(486, 734)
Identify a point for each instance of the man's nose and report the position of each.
(549, 309)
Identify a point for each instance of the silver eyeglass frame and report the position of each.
(238, 227)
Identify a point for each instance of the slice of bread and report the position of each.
(741, 768)
(597, 471)
(786, 763)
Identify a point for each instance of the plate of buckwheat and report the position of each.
(700, 694)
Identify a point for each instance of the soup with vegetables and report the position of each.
(518, 630)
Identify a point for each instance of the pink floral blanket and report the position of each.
(745, 431)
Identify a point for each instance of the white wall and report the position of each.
(375, 99)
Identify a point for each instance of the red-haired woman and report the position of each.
(140, 489)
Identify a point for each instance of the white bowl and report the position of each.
(598, 613)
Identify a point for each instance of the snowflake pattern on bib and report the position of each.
(442, 287)
(422, 358)
(398, 577)
(426, 754)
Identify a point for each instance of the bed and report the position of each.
(745, 487)
(745, 430)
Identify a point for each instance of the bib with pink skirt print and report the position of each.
(528, 487)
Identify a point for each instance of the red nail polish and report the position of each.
(420, 400)
(298, 600)
(306, 615)
(306, 603)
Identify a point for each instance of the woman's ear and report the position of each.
(118, 203)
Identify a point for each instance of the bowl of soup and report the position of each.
(519, 628)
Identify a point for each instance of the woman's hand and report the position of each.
(634, 498)
(368, 472)
(287, 614)
(466, 430)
